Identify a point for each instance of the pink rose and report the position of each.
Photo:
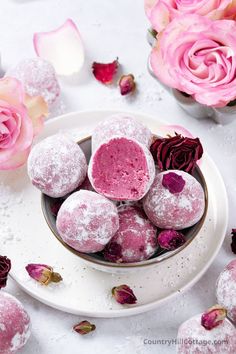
(21, 117)
(198, 56)
(162, 12)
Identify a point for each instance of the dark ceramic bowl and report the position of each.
(96, 260)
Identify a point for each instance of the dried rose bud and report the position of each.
(170, 239)
(213, 317)
(5, 267)
(113, 252)
(127, 84)
(105, 72)
(123, 294)
(177, 153)
(43, 273)
(233, 243)
(84, 327)
(173, 182)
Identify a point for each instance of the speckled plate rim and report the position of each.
(154, 304)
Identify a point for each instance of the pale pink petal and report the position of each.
(17, 160)
(166, 130)
(159, 16)
(37, 110)
(159, 67)
(12, 91)
(148, 5)
(62, 47)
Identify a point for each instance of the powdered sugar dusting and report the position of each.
(87, 221)
(120, 125)
(177, 211)
(38, 77)
(220, 340)
(57, 166)
(136, 237)
(226, 292)
(14, 324)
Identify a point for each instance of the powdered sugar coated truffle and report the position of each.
(14, 324)
(136, 239)
(172, 209)
(38, 77)
(87, 221)
(122, 169)
(193, 338)
(120, 125)
(226, 289)
(57, 166)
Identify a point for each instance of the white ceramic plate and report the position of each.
(26, 238)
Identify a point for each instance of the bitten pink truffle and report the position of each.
(195, 339)
(119, 125)
(122, 169)
(175, 200)
(136, 239)
(87, 221)
(226, 289)
(14, 324)
(57, 166)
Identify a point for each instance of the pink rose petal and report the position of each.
(173, 182)
(148, 5)
(37, 110)
(17, 160)
(12, 91)
(62, 47)
(172, 129)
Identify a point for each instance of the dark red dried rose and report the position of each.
(112, 252)
(170, 239)
(173, 182)
(177, 153)
(233, 243)
(105, 72)
(5, 267)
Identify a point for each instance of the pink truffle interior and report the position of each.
(120, 170)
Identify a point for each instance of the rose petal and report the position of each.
(173, 182)
(11, 91)
(22, 143)
(62, 47)
(148, 5)
(105, 72)
(172, 129)
(17, 160)
(37, 110)
(159, 16)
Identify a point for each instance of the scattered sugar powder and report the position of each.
(226, 291)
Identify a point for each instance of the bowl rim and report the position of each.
(149, 262)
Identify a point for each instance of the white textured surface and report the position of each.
(113, 29)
